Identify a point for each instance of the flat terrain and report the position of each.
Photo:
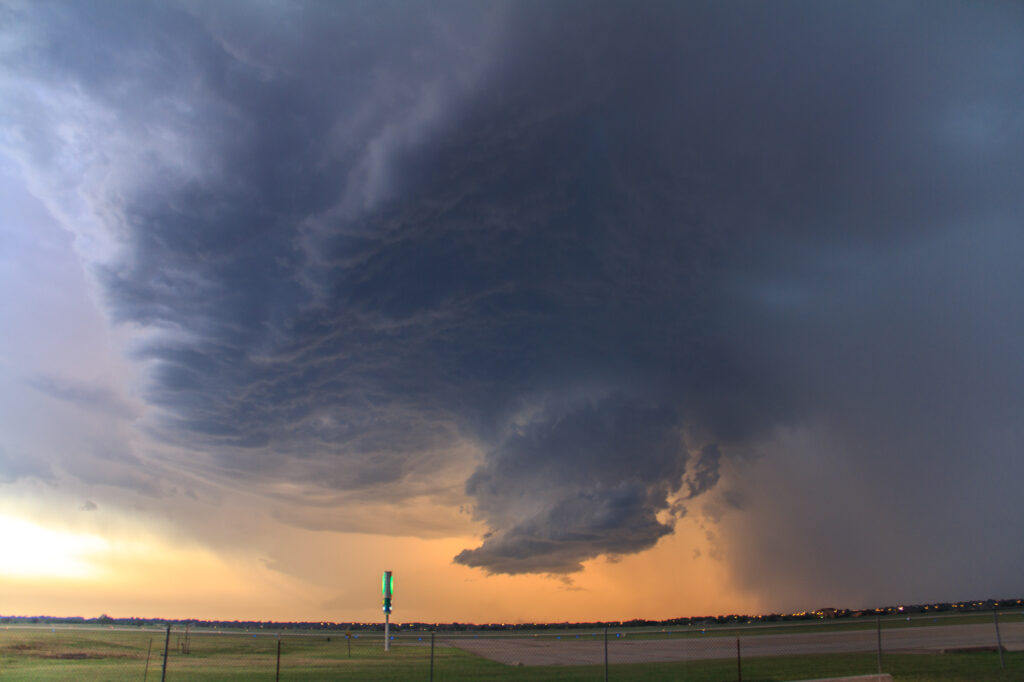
(770, 653)
(590, 650)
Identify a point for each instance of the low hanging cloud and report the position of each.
(560, 490)
(613, 251)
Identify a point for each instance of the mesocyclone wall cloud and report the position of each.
(745, 262)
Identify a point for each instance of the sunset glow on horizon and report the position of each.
(64, 573)
(31, 551)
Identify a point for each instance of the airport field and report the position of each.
(952, 649)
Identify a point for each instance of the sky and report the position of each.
(558, 310)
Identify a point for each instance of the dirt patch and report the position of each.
(22, 647)
(972, 650)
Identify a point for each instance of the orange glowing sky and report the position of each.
(121, 566)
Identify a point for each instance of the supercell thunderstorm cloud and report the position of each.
(756, 262)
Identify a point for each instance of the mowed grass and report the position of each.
(95, 655)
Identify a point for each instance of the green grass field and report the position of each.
(42, 654)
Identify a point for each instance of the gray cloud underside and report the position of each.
(580, 477)
(13, 468)
(610, 246)
(88, 396)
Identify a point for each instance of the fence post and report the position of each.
(739, 664)
(878, 632)
(149, 650)
(605, 653)
(167, 644)
(277, 674)
(431, 657)
(999, 639)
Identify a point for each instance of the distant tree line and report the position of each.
(701, 621)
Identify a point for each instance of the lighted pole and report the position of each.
(387, 589)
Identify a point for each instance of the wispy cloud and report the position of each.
(13, 468)
(88, 396)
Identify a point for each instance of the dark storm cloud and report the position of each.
(611, 245)
(704, 474)
(575, 478)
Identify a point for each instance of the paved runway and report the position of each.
(589, 650)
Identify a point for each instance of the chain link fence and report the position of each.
(974, 647)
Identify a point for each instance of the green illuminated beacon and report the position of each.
(387, 589)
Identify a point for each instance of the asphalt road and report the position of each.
(590, 650)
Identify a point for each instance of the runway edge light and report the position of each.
(387, 589)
